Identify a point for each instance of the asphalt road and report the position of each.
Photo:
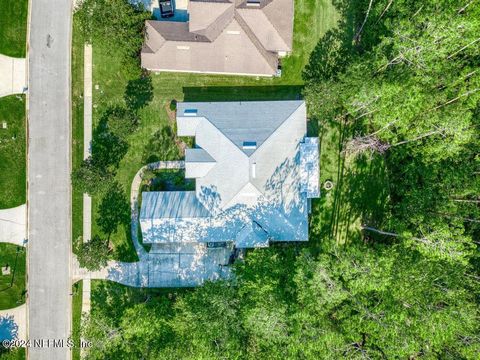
(49, 200)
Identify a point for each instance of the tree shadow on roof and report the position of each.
(243, 93)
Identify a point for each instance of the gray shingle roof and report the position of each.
(248, 121)
(197, 155)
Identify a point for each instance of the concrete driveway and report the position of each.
(12, 75)
(13, 225)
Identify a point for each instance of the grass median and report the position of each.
(12, 151)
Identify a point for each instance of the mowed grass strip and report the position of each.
(77, 129)
(12, 285)
(12, 151)
(77, 291)
(13, 27)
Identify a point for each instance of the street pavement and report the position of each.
(49, 200)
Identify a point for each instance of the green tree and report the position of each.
(121, 122)
(108, 149)
(139, 92)
(90, 177)
(115, 24)
(160, 147)
(114, 209)
(93, 254)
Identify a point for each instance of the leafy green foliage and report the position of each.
(139, 92)
(121, 122)
(381, 302)
(114, 24)
(410, 91)
(90, 177)
(159, 147)
(114, 209)
(93, 254)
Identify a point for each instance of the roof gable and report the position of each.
(263, 29)
(246, 123)
(280, 13)
(251, 235)
(209, 18)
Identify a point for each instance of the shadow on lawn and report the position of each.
(243, 93)
(360, 193)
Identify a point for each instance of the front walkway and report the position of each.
(13, 225)
(87, 134)
(13, 78)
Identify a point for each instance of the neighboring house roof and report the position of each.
(221, 37)
(249, 170)
(209, 18)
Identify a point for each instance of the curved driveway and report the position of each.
(49, 200)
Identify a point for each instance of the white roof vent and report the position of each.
(190, 112)
(249, 145)
(253, 2)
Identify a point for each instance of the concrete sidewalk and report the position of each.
(13, 225)
(87, 134)
(13, 78)
(87, 151)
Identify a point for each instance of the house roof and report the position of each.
(172, 205)
(209, 18)
(221, 36)
(252, 235)
(234, 134)
(244, 190)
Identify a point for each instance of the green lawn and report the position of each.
(77, 317)
(312, 19)
(13, 27)
(12, 286)
(14, 354)
(360, 192)
(12, 151)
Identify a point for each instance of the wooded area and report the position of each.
(400, 81)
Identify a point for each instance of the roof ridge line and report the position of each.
(225, 135)
(270, 22)
(278, 32)
(267, 55)
(279, 126)
(215, 21)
